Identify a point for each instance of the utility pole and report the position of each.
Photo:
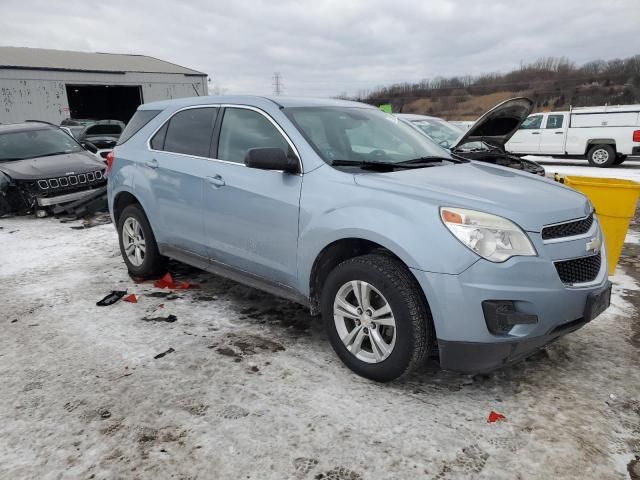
(277, 83)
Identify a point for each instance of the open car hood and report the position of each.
(499, 124)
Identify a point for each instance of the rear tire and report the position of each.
(138, 245)
(620, 159)
(384, 284)
(602, 156)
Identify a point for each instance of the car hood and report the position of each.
(499, 124)
(528, 200)
(52, 166)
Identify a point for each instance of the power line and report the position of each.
(277, 83)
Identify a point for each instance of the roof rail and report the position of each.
(41, 121)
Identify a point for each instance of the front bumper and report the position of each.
(534, 287)
(471, 357)
(67, 197)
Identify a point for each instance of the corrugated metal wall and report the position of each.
(41, 94)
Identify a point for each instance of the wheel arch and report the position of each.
(593, 142)
(121, 201)
(339, 250)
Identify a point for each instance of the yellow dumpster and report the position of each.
(615, 203)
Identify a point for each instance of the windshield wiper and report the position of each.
(370, 164)
(429, 159)
(55, 153)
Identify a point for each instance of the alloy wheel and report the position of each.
(600, 156)
(364, 321)
(133, 241)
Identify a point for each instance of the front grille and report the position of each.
(71, 181)
(579, 270)
(569, 229)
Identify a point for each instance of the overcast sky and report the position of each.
(326, 47)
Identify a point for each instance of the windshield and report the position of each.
(36, 143)
(361, 134)
(441, 132)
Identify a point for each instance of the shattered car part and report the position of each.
(112, 298)
(42, 166)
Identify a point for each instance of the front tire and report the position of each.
(138, 245)
(376, 317)
(602, 156)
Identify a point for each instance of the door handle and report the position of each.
(153, 163)
(559, 133)
(535, 133)
(216, 181)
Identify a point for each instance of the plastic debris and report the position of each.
(166, 352)
(168, 319)
(495, 417)
(112, 298)
(131, 298)
(168, 282)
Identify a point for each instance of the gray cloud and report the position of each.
(326, 47)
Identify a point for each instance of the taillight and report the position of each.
(636, 136)
(109, 161)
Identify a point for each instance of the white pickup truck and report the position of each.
(605, 135)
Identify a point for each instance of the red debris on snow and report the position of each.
(495, 417)
(132, 298)
(168, 282)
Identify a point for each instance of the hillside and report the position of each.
(553, 83)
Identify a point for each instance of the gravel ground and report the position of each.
(248, 386)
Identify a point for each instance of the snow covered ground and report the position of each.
(250, 388)
(629, 170)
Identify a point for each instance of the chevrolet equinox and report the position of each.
(405, 249)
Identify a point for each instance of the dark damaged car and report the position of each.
(41, 166)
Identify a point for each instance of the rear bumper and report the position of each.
(635, 151)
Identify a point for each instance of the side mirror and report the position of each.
(271, 159)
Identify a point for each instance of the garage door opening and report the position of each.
(103, 102)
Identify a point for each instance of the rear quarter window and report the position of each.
(139, 120)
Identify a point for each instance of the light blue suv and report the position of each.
(406, 250)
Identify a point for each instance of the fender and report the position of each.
(409, 238)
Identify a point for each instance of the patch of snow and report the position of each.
(253, 389)
(632, 237)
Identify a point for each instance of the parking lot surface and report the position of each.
(245, 385)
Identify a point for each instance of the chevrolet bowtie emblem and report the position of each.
(594, 245)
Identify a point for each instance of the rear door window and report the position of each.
(243, 129)
(189, 131)
(531, 123)
(554, 121)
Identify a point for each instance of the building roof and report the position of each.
(45, 59)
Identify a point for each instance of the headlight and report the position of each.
(494, 238)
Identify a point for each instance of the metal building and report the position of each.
(51, 85)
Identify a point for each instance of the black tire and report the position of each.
(601, 151)
(153, 263)
(414, 326)
(620, 159)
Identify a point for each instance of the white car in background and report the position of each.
(462, 124)
(440, 131)
(605, 135)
